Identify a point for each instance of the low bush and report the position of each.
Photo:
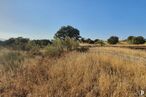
(53, 51)
(82, 49)
(58, 43)
(135, 40)
(70, 44)
(59, 46)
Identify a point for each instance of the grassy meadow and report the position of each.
(100, 72)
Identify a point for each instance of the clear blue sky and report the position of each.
(38, 19)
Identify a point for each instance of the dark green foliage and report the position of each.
(17, 43)
(82, 49)
(24, 43)
(100, 42)
(136, 40)
(130, 39)
(97, 40)
(139, 40)
(1, 42)
(113, 40)
(67, 31)
(41, 43)
(83, 40)
(10, 41)
(90, 41)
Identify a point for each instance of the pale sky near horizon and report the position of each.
(40, 19)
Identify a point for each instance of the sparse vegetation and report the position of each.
(64, 67)
(11, 62)
(98, 73)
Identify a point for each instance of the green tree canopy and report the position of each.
(67, 31)
(113, 40)
(136, 40)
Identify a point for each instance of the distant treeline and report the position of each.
(21, 43)
(64, 33)
(115, 40)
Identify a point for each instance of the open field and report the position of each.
(73, 48)
(139, 47)
(101, 72)
(125, 45)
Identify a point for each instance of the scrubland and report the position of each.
(100, 72)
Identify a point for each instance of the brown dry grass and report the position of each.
(78, 75)
(125, 51)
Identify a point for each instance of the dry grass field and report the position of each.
(101, 72)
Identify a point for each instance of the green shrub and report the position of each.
(53, 51)
(113, 40)
(58, 43)
(70, 44)
(24, 44)
(12, 61)
(58, 46)
(136, 40)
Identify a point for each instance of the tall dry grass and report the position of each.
(125, 51)
(76, 75)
